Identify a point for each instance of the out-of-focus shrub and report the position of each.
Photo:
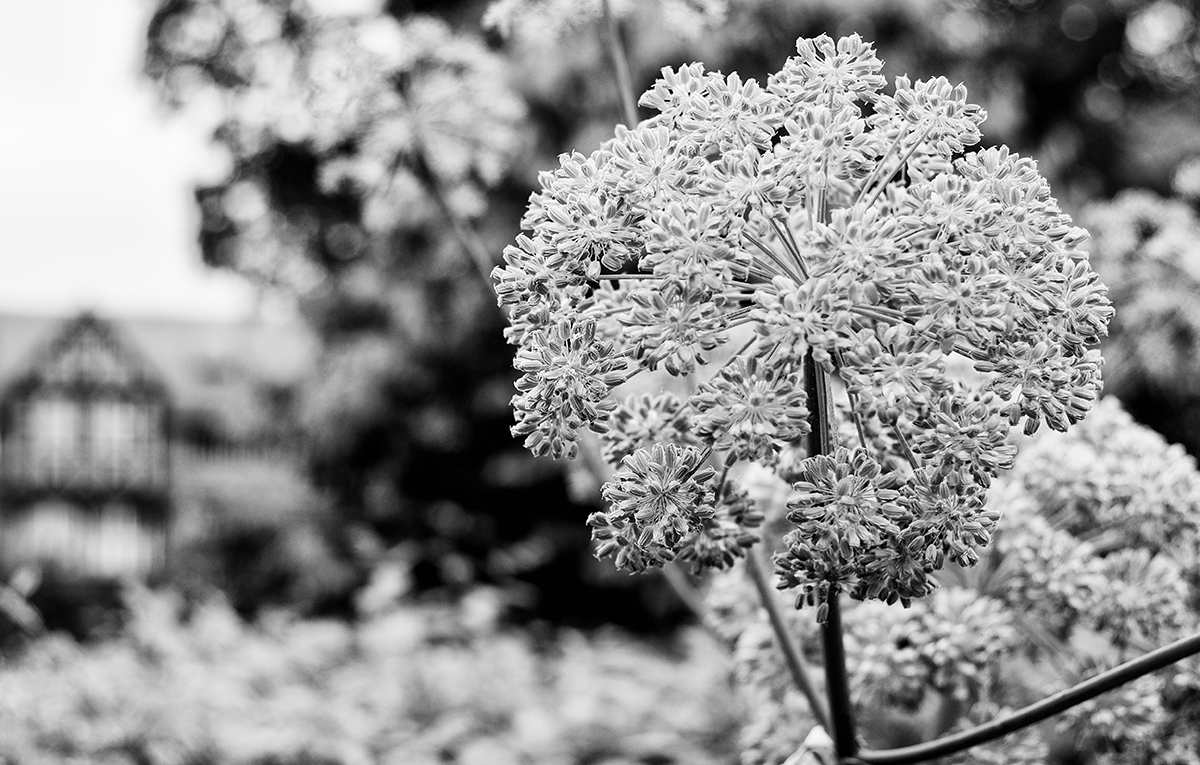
(407, 687)
(1147, 249)
(251, 526)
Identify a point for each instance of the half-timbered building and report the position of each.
(84, 456)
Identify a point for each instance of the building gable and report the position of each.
(87, 356)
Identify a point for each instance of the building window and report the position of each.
(55, 424)
(113, 442)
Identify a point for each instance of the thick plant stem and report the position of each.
(837, 683)
(791, 654)
(1035, 712)
(616, 50)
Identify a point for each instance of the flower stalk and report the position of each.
(837, 681)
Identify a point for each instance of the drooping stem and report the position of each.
(837, 681)
(616, 50)
(468, 237)
(791, 654)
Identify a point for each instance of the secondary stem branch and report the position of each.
(1035, 712)
(791, 654)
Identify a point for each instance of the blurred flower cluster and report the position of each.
(1097, 563)
(389, 111)
(1148, 247)
(746, 227)
(949, 644)
(544, 21)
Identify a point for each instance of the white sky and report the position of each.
(95, 178)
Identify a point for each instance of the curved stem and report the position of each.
(1035, 712)
(616, 49)
(472, 243)
(791, 654)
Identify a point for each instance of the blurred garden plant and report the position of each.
(369, 149)
(341, 128)
(1148, 247)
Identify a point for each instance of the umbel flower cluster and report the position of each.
(747, 228)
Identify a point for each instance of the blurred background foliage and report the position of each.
(379, 157)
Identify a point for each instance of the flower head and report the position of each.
(751, 409)
(725, 537)
(567, 375)
(643, 420)
(657, 497)
(746, 228)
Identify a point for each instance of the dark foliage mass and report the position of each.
(407, 418)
